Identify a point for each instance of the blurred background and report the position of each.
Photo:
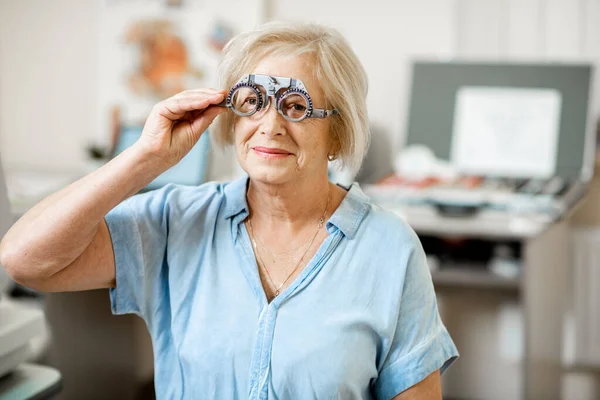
(485, 117)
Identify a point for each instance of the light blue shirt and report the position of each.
(359, 322)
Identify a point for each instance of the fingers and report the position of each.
(193, 129)
(187, 93)
(178, 106)
(201, 122)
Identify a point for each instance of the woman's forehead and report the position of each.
(280, 65)
(298, 67)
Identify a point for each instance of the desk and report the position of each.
(30, 382)
(520, 359)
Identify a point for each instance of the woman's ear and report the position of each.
(335, 146)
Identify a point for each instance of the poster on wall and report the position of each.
(150, 50)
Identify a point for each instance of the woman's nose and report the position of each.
(271, 122)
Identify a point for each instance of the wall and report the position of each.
(47, 81)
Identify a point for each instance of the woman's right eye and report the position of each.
(251, 101)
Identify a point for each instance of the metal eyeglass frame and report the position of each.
(272, 85)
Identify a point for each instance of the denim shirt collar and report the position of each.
(347, 218)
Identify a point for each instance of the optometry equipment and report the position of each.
(252, 94)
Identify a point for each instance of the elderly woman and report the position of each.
(280, 285)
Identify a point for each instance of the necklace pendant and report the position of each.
(276, 293)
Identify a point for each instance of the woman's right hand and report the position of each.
(176, 124)
(63, 242)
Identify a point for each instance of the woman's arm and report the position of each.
(63, 243)
(429, 388)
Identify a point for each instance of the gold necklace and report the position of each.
(262, 264)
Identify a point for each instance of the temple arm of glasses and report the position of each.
(320, 113)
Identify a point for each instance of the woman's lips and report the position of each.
(271, 152)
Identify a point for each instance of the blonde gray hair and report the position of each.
(336, 68)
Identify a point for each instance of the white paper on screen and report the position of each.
(508, 132)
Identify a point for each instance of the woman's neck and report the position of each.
(288, 206)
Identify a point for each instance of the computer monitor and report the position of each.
(436, 90)
(190, 171)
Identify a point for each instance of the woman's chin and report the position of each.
(275, 175)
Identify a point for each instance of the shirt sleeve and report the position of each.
(138, 231)
(421, 344)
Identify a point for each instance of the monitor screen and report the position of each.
(190, 171)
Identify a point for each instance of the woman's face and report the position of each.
(274, 150)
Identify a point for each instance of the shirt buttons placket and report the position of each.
(262, 353)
